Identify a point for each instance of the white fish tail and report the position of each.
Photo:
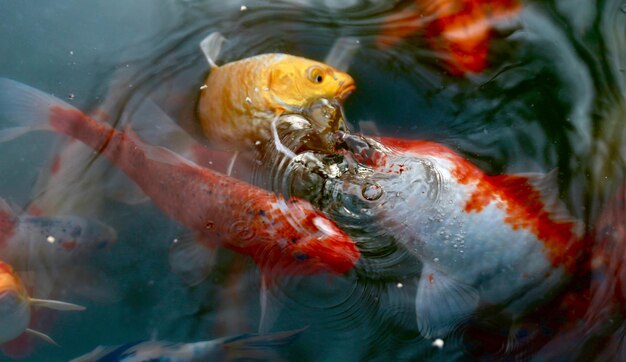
(24, 108)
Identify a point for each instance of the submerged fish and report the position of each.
(481, 239)
(460, 29)
(284, 237)
(38, 242)
(244, 347)
(241, 102)
(15, 306)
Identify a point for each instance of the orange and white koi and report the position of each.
(481, 239)
(284, 237)
(15, 306)
(241, 102)
(460, 29)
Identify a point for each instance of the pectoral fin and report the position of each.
(211, 47)
(55, 304)
(270, 305)
(42, 336)
(442, 302)
(191, 260)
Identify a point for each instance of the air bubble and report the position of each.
(372, 192)
(438, 343)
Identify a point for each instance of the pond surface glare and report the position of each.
(501, 236)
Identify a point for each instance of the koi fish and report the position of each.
(37, 242)
(246, 347)
(600, 330)
(480, 238)
(283, 236)
(460, 29)
(241, 102)
(15, 306)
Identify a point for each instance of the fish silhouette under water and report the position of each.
(461, 30)
(16, 304)
(245, 347)
(40, 242)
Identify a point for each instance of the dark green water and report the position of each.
(552, 97)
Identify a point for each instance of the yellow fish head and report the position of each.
(296, 82)
(10, 282)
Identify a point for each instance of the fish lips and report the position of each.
(345, 91)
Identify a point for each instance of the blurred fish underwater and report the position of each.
(464, 202)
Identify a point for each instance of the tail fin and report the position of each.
(259, 347)
(26, 108)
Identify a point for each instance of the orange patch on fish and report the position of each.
(515, 195)
(56, 165)
(69, 245)
(524, 207)
(460, 29)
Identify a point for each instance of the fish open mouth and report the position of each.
(345, 91)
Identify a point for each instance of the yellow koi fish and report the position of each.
(15, 306)
(240, 102)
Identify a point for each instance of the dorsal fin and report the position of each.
(342, 53)
(211, 47)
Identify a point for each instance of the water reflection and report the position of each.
(547, 95)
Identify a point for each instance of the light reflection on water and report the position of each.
(551, 98)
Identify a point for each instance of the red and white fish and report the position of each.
(284, 237)
(502, 240)
(16, 304)
(461, 30)
(599, 328)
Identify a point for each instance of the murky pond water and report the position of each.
(496, 231)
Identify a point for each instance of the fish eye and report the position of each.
(315, 74)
